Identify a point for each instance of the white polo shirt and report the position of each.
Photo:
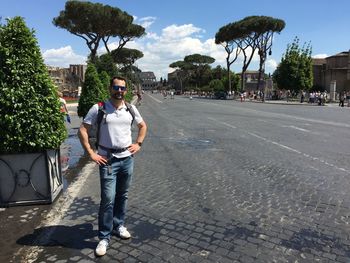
(115, 128)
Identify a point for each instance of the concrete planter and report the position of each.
(31, 178)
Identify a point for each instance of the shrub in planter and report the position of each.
(29, 107)
(30, 119)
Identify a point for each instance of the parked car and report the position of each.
(220, 95)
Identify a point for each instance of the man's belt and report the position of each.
(113, 150)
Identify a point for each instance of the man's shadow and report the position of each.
(76, 237)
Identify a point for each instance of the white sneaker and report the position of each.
(101, 248)
(123, 232)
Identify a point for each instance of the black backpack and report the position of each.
(102, 114)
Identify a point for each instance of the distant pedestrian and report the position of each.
(115, 157)
(311, 97)
(342, 96)
(79, 92)
(63, 106)
(139, 98)
(302, 97)
(288, 94)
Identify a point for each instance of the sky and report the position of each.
(175, 29)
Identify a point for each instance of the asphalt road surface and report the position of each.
(221, 181)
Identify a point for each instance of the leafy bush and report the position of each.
(216, 85)
(30, 117)
(92, 91)
(105, 63)
(129, 94)
(105, 80)
(295, 70)
(235, 81)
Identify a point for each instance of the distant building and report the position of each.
(332, 71)
(148, 80)
(69, 79)
(251, 80)
(78, 70)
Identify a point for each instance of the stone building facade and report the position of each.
(148, 80)
(332, 72)
(251, 80)
(68, 80)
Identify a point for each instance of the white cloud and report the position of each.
(148, 18)
(270, 65)
(152, 35)
(320, 56)
(146, 22)
(62, 57)
(172, 45)
(178, 32)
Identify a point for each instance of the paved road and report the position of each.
(219, 181)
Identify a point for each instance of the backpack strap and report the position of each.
(100, 115)
(130, 109)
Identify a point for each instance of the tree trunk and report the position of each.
(262, 61)
(242, 80)
(228, 74)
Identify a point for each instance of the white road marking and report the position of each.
(223, 123)
(289, 148)
(275, 143)
(159, 101)
(279, 115)
(301, 153)
(296, 128)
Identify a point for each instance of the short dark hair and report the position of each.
(120, 78)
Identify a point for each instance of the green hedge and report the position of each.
(30, 119)
(92, 91)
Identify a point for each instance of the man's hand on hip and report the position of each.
(99, 159)
(134, 148)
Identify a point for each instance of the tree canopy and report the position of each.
(198, 66)
(199, 60)
(207, 78)
(105, 63)
(126, 56)
(95, 22)
(266, 27)
(231, 46)
(247, 35)
(182, 72)
(294, 73)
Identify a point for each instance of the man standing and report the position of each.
(115, 157)
(342, 96)
(63, 106)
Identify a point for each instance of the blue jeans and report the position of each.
(115, 184)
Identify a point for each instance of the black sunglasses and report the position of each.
(117, 88)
